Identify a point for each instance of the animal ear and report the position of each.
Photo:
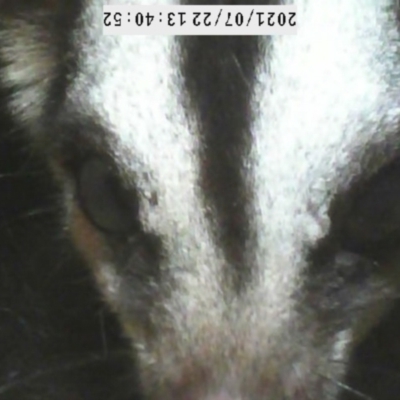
(32, 51)
(27, 62)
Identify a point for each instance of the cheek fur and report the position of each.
(86, 237)
(92, 246)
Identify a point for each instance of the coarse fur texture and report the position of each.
(236, 200)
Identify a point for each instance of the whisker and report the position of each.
(348, 388)
(67, 366)
(19, 174)
(240, 70)
(379, 370)
(30, 214)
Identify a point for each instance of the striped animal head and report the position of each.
(236, 197)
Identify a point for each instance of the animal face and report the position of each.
(235, 197)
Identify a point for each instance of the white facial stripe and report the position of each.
(320, 95)
(137, 98)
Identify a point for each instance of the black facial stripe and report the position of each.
(67, 54)
(219, 77)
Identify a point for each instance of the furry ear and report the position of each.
(28, 63)
(33, 47)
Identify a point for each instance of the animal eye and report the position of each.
(106, 203)
(374, 221)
